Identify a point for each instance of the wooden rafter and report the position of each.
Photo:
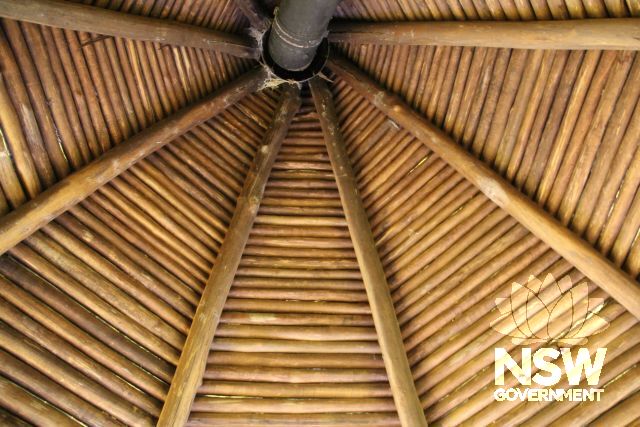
(615, 33)
(384, 317)
(28, 218)
(193, 360)
(79, 17)
(582, 255)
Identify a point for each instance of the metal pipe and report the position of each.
(298, 29)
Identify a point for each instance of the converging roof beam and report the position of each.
(38, 212)
(578, 252)
(394, 355)
(193, 360)
(612, 34)
(80, 17)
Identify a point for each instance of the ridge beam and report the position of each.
(193, 361)
(609, 33)
(394, 355)
(91, 19)
(624, 289)
(39, 211)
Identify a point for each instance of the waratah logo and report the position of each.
(551, 298)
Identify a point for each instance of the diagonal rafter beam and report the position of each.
(578, 252)
(384, 317)
(28, 218)
(614, 33)
(80, 17)
(193, 361)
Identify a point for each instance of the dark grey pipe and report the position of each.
(298, 28)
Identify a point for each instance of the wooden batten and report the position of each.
(79, 17)
(22, 222)
(191, 366)
(575, 250)
(612, 34)
(404, 393)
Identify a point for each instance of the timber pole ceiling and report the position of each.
(193, 360)
(548, 229)
(25, 222)
(34, 214)
(79, 17)
(375, 282)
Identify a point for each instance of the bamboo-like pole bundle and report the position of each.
(514, 239)
(610, 34)
(98, 328)
(26, 376)
(619, 414)
(474, 324)
(45, 361)
(578, 252)
(32, 215)
(386, 323)
(79, 17)
(18, 92)
(96, 349)
(34, 410)
(196, 349)
(104, 288)
(23, 74)
(96, 304)
(148, 272)
(467, 315)
(125, 282)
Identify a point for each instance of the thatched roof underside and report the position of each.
(95, 307)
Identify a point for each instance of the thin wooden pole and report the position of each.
(578, 252)
(79, 17)
(384, 317)
(193, 360)
(615, 33)
(22, 222)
